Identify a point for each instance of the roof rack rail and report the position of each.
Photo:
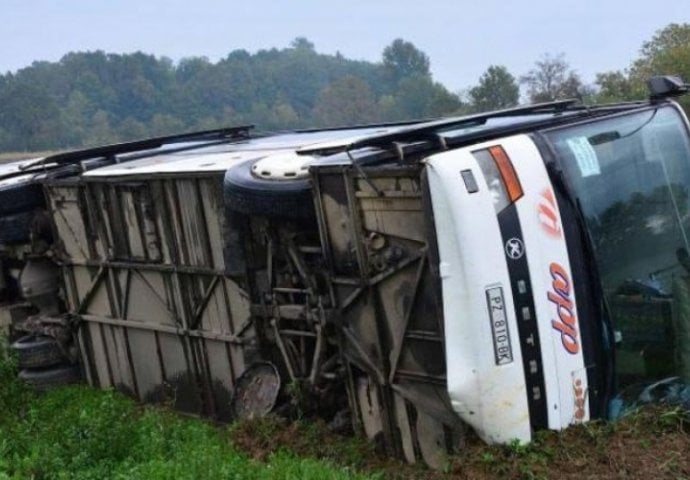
(74, 156)
(401, 123)
(429, 129)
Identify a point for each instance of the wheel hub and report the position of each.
(283, 166)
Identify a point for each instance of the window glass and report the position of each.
(631, 177)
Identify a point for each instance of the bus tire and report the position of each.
(250, 195)
(48, 378)
(37, 351)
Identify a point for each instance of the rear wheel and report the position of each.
(48, 378)
(37, 351)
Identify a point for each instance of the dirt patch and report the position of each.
(650, 444)
(260, 437)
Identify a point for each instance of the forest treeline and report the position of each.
(90, 98)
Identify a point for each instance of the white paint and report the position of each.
(491, 398)
(13, 173)
(543, 248)
(283, 166)
(180, 163)
(220, 158)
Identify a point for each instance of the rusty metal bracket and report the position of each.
(201, 306)
(283, 350)
(395, 356)
(361, 171)
(364, 356)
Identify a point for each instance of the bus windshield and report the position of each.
(631, 177)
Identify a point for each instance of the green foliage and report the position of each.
(90, 98)
(497, 89)
(81, 433)
(264, 436)
(614, 87)
(402, 59)
(346, 101)
(13, 395)
(666, 53)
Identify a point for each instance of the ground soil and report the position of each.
(649, 444)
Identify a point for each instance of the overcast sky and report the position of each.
(461, 37)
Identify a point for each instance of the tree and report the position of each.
(418, 97)
(671, 43)
(31, 116)
(98, 97)
(402, 59)
(614, 87)
(302, 43)
(344, 102)
(497, 89)
(131, 129)
(163, 124)
(100, 131)
(552, 79)
(284, 115)
(667, 53)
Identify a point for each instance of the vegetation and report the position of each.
(668, 52)
(552, 79)
(90, 98)
(497, 89)
(81, 433)
(648, 443)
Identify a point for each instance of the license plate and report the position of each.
(503, 351)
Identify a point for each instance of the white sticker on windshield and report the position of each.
(585, 155)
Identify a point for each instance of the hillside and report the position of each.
(91, 98)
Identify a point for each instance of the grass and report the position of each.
(652, 442)
(81, 433)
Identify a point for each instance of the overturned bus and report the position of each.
(508, 271)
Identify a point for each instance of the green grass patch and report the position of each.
(82, 433)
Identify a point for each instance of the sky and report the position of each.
(461, 37)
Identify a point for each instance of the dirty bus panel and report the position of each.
(375, 224)
(144, 270)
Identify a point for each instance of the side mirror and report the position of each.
(664, 86)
